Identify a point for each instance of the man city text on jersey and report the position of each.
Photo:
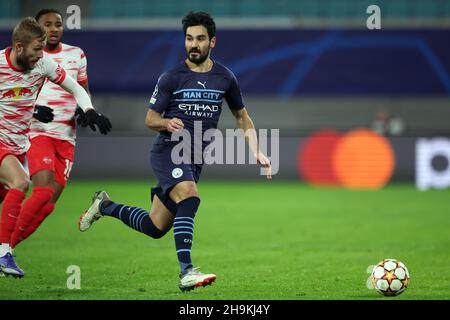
(195, 96)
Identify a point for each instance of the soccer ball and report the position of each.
(390, 277)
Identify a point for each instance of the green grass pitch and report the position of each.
(264, 240)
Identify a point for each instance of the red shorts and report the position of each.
(3, 153)
(51, 154)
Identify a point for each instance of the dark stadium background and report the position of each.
(302, 66)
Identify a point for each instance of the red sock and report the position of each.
(30, 209)
(45, 211)
(10, 213)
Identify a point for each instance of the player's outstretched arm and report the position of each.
(156, 122)
(79, 115)
(245, 123)
(84, 101)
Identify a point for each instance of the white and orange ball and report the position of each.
(390, 277)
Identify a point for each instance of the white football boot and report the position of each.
(194, 278)
(93, 213)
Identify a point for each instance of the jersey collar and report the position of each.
(57, 50)
(212, 68)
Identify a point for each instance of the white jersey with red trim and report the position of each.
(73, 60)
(18, 93)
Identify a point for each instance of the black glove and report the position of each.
(43, 113)
(80, 117)
(93, 118)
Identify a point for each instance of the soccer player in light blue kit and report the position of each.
(191, 91)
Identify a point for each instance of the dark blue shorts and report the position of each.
(169, 174)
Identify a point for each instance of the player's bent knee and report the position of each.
(44, 178)
(186, 196)
(21, 183)
(192, 193)
(178, 195)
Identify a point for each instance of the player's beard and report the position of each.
(200, 58)
(24, 62)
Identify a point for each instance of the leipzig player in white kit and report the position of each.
(51, 154)
(23, 71)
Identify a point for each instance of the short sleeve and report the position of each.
(82, 69)
(162, 94)
(233, 95)
(53, 71)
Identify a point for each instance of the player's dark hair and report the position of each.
(200, 19)
(27, 30)
(45, 11)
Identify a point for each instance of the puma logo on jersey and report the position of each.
(202, 84)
